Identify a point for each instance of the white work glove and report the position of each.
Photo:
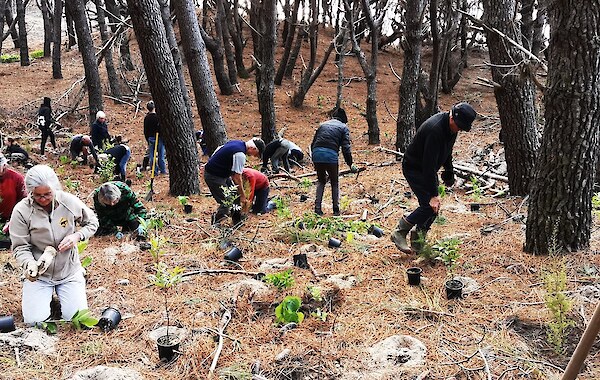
(5, 228)
(46, 259)
(31, 270)
(69, 242)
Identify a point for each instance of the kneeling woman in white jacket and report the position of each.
(44, 242)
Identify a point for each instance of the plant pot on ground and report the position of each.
(187, 209)
(168, 347)
(453, 289)
(7, 324)
(414, 275)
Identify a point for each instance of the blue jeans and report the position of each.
(160, 165)
(123, 163)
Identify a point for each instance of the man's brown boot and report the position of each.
(399, 235)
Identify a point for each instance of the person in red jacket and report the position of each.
(12, 189)
(256, 186)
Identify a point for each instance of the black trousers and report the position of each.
(47, 132)
(423, 216)
(324, 171)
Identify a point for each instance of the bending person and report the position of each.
(118, 206)
(256, 186)
(44, 242)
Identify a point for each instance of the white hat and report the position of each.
(100, 114)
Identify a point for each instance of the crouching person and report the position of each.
(118, 206)
(44, 242)
(256, 185)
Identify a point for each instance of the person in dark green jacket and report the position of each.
(118, 206)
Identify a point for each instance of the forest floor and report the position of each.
(496, 331)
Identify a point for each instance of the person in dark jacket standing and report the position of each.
(330, 136)
(151, 130)
(224, 169)
(45, 124)
(430, 149)
(99, 131)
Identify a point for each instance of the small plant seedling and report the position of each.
(319, 314)
(559, 305)
(139, 175)
(9, 58)
(287, 310)
(183, 199)
(596, 202)
(37, 54)
(281, 280)
(283, 211)
(344, 203)
(305, 184)
(440, 220)
(448, 252)
(86, 262)
(442, 190)
(107, 169)
(477, 192)
(71, 185)
(83, 319)
(315, 293)
(231, 198)
(64, 160)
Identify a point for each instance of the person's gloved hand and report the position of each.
(448, 178)
(141, 231)
(354, 168)
(31, 270)
(46, 259)
(69, 241)
(119, 235)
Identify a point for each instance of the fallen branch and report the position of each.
(219, 271)
(222, 326)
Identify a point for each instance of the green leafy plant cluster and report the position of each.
(448, 251)
(80, 320)
(596, 202)
(283, 211)
(305, 184)
(37, 54)
(323, 227)
(9, 58)
(183, 199)
(477, 192)
(107, 169)
(287, 310)
(72, 185)
(281, 280)
(315, 293)
(559, 305)
(231, 198)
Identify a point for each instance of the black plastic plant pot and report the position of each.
(7, 324)
(187, 209)
(168, 347)
(376, 231)
(4, 244)
(303, 197)
(454, 289)
(414, 276)
(475, 207)
(334, 243)
(234, 254)
(236, 217)
(110, 319)
(301, 261)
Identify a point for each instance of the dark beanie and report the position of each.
(463, 115)
(150, 105)
(340, 115)
(260, 145)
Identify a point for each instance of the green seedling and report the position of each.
(282, 280)
(86, 262)
(107, 170)
(64, 160)
(315, 293)
(442, 190)
(287, 310)
(183, 200)
(305, 184)
(37, 54)
(319, 314)
(283, 211)
(559, 305)
(448, 252)
(477, 192)
(83, 318)
(231, 198)
(9, 58)
(344, 203)
(72, 186)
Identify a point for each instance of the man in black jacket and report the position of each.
(427, 153)
(330, 136)
(45, 124)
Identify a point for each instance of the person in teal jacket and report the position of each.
(118, 206)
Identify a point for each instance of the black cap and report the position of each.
(340, 115)
(260, 145)
(463, 115)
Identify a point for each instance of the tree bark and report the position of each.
(409, 86)
(8, 15)
(289, 39)
(207, 103)
(86, 48)
(113, 78)
(226, 41)
(2, 7)
(302, 34)
(165, 12)
(263, 17)
(70, 25)
(515, 95)
(237, 37)
(215, 47)
(560, 216)
(23, 49)
(56, 40)
(47, 17)
(178, 130)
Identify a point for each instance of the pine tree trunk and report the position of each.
(113, 78)
(409, 85)
(86, 47)
(560, 216)
(56, 65)
(2, 7)
(226, 41)
(263, 18)
(207, 103)
(172, 41)
(70, 25)
(46, 16)
(8, 15)
(24, 49)
(302, 34)
(515, 96)
(178, 130)
(236, 32)
(289, 39)
(215, 47)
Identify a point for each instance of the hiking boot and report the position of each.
(399, 235)
(318, 211)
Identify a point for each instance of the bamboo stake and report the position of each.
(583, 347)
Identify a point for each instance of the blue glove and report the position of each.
(119, 235)
(141, 231)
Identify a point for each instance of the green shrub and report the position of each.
(9, 58)
(287, 310)
(281, 280)
(37, 54)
